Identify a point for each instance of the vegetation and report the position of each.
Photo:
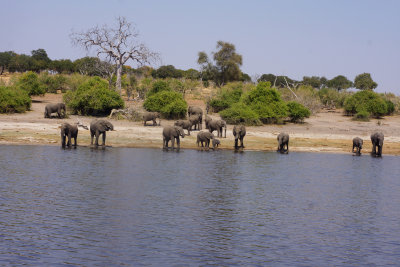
(157, 87)
(29, 82)
(228, 95)
(339, 82)
(367, 101)
(93, 98)
(332, 98)
(240, 113)
(297, 112)
(52, 83)
(170, 104)
(14, 100)
(364, 82)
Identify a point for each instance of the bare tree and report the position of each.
(120, 44)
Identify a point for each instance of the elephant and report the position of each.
(196, 121)
(196, 111)
(185, 124)
(377, 141)
(204, 137)
(70, 131)
(215, 143)
(98, 127)
(58, 108)
(357, 143)
(207, 121)
(217, 125)
(239, 131)
(151, 116)
(172, 133)
(283, 140)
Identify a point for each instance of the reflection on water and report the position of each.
(148, 207)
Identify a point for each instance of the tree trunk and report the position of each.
(118, 83)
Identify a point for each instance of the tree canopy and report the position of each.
(339, 82)
(364, 82)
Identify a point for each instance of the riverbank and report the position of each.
(324, 132)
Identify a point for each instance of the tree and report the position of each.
(226, 67)
(20, 63)
(5, 58)
(62, 66)
(314, 81)
(119, 44)
(167, 71)
(339, 82)
(40, 60)
(277, 81)
(364, 82)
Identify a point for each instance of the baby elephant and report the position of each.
(239, 131)
(151, 116)
(215, 143)
(204, 137)
(70, 131)
(58, 108)
(185, 124)
(357, 143)
(283, 140)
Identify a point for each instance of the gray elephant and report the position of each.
(98, 127)
(239, 131)
(172, 133)
(196, 111)
(195, 121)
(204, 137)
(215, 143)
(151, 116)
(357, 144)
(217, 125)
(70, 131)
(207, 121)
(377, 142)
(283, 141)
(58, 108)
(185, 124)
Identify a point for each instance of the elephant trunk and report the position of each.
(225, 131)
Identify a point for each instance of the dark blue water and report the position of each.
(145, 207)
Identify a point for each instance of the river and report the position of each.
(141, 207)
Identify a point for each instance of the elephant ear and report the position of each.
(110, 126)
(102, 126)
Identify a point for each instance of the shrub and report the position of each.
(159, 86)
(52, 83)
(240, 113)
(170, 104)
(93, 98)
(29, 82)
(390, 107)
(14, 100)
(75, 80)
(362, 115)
(297, 112)
(229, 95)
(332, 97)
(368, 101)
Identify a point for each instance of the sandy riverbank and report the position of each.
(323, 132)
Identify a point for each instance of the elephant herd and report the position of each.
(194, 122)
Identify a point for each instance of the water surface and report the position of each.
(140, 207)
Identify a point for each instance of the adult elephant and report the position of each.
(207, 121)
(217, 125)
(239, 131)
(196, 111)
(172, 133)
(185, 124)
(377, 143)
(98, 127)
(204, 137)
(58, 108)
(151, 116)
(70, 131)
(195, 120)
(283, 141)
(357, 144)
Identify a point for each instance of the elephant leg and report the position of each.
(91, 138)
(189, 131)
(62, 140)
(178, 143)
(97, 138)
(69, 140)
(173, 142)
(379, 150)
(154, 122)
(236, 143)
(241, 142)
(104, 139)
(373, 148)
(75, 143)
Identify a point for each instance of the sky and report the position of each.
(287, 37)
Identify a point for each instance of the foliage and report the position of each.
(93, 98)
(362, 115)
(14, 100)
(29, 82)
(40, 60)
(5, 58)
(364, 82)
(170, 104)
(277, 81)
(314, 81)
(297, 112)
(239, 113)
(168, 71)
(226, 67)
(339, 82)
(367, 101)
(158, 86)
(20, 63)
(52, 83)
(332, 98)
(228, 95)
(62, 66)
(305, 95)
(75, 80)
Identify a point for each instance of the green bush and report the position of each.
(29, 82)
(368, 101)
(170, 104)
(362, 115)
(93, 98)
(75, 80)
(297, 112)
(14, 100)
(229, 95)
(390, 107)
(240, 113)
(52, 83)
(333, 97)
(157, 87)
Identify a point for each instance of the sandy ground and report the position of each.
(323, 132)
